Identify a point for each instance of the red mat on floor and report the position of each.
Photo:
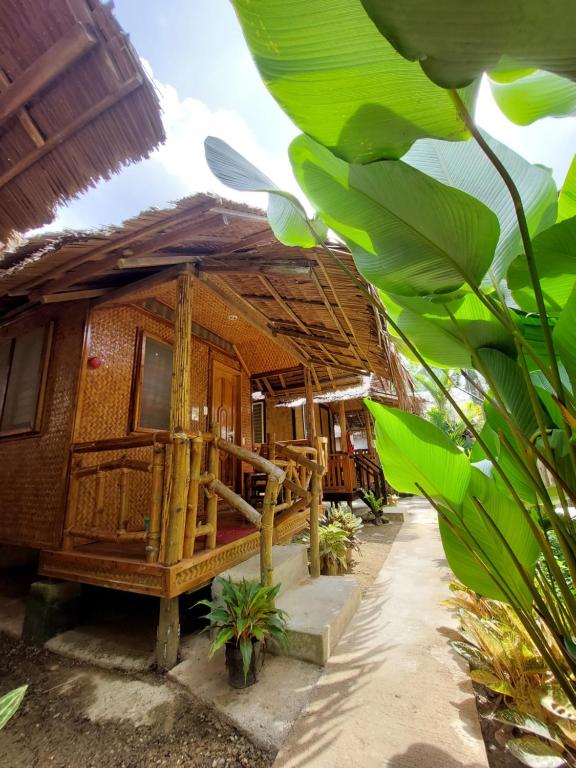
(226, 535)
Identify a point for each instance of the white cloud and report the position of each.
(178, 168)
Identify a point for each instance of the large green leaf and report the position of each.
(537, 95)
(414, 451)
(555, 256)
(340, 81)
(437, 328)
(567, 198)
(9, 704)
(564, 336)
(465, 166)
(506, 377)
(434, 246)
(456, 41)
(286, 214)
(535, 753)
(476, 540)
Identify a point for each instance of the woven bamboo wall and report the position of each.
(104, 409)
(33, 468)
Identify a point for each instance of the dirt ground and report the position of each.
(77, 716)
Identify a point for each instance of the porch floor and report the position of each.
(123, 565)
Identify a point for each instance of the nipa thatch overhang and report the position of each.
(75, 106)
(295, 301)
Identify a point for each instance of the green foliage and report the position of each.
(456, 41)
(474, 254)
(376, 503)
(537, 94)
(9, 704)
(342, 516)
(334, 545)
(245, 613)
(504, 659)
(448, 239)
(340, 81)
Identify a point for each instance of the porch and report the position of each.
(150, 514)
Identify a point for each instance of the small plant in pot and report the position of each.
(376, 504)
(341, 514)
(334, 544)
(244, 617)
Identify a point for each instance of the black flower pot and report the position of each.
(235, 667)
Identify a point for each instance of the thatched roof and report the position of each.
(299, 299)
(75, 106)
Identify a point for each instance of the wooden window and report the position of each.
(258, 422)
(23, 370)
(154, 385)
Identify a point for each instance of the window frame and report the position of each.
(136, 399)
(45, 356)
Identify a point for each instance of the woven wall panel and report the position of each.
(33, 469)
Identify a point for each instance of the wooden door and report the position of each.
(225, 411)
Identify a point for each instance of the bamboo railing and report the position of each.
(173, 468)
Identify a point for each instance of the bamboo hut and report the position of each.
(129, 358)
(75, 106)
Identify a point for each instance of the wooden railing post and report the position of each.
(193, 490)
(267, 532)
(310, 413)
(212, 503)
(178, 500)
(315, 503)
(154, 522)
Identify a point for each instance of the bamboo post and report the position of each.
(315, 503)
(168, 635)
(343, 425)
(153, 538)
(72, 505)
(181, 399)
(193, 489)
(310, 413)
(212, 504)
(267, 532)
(178, 502)
(180, 419)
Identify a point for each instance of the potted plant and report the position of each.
(341, 514)
(243, 618)
(376, 504)
(334, 543)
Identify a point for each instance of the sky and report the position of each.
(208, 85)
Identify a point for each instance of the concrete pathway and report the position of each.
(393, 694)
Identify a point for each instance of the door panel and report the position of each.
(225, 411)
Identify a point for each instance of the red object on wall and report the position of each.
(94, 362)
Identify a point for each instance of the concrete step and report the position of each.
(289, 562)
(318, 611)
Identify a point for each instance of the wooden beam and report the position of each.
(310, 412)
(241, 360)
(268, 387)
(234, 299)
(230, 267)
(25, 120)
(95, 267)
(283, 303)
(54, 298)
(156, 260)
(236, 214)
(119, 295)
(45, 69)
(70, 130)
(309, 337)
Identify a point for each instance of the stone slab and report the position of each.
(264, 712)
(12, 611)
(107, 647)
(318, 611)
(289, 562)
(393, 694)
